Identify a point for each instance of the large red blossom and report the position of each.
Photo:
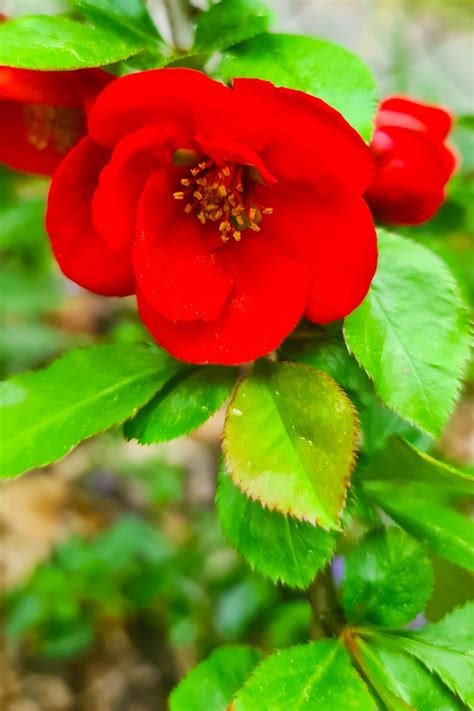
(230, 212)
(43, 114)
(413, 162)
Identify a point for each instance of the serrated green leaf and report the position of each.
(326, 350)
(446, 648)
(311, 676)
(400, 462)
(442, 529)
(401, 681)
(229, 22)
(289, 441)
(388, 579)
(130, 15)
(411, 334)
(185, 403)
(213, 683)
(54, 42)
(276, 546)
(46, 413)
(312, 65)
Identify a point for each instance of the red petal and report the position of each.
(267, 301)
(16, 150)
(437, 121)
(301, 138)
(334, 238)
(175, 271)
(90, 82)
(80, 251)
(411, 171)
(114, 207)
(187, 97)
(50, 88)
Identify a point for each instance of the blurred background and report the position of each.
(115, 578)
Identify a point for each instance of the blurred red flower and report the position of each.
(413, 162)
(43, 114)
(230, 212)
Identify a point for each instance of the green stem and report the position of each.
(327, 618)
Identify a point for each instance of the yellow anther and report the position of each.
(237, 235)
(268, 211)
(254, 227)
(226, 171)
(222, 190)
(188, 208)
(198, 195)
(178, 196)
(186, 182)
(202, 165)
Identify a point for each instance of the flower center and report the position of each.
(222, 194)
(55, 125)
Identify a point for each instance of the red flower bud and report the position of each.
(413, 162)
(230, 212)
(43, 115)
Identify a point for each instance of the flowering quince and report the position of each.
(230, 212)
(43, 114)
(413, 163)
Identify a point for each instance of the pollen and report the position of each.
(223, 195)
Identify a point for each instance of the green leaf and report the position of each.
(188, 400)
(311, 676)
(230, 22)
(130, 15)
(400, 462)
(442, 529)
(54, 42)
(276, 546)
(446, 648)
(312, 65)
(401, 681)
(289, 441)
(388, 579)
(326, 350)
(411, 334)
(47, 412)
(213, 683)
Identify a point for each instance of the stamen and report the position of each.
(222, 195)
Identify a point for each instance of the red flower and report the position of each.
(413, 164)
(229, 212)
(43, 114)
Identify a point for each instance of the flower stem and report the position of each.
(327, 617)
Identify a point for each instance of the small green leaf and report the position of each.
(230, 22)
(185, 403)
(54, 42)
(446, 648)
(130, 15)
(400, 462)
(289, 441)
(411, 334)
(388, 579)
(213, 683)
(276, 546)
(312, 65)
(402, 682)
(442, 529)
(311, 676)
(47, 412)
